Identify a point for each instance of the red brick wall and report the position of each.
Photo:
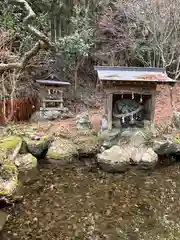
(163, 109)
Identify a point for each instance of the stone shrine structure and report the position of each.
(51, 93)
(131, 94)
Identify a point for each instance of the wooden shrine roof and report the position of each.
(133, 74)
(53, 80)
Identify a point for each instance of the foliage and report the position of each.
(160, 23)
(141, 33)
(77, 45)
(114, 32)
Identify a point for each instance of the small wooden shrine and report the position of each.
(51, 93)
(131, 94)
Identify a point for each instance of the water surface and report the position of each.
(82, 202)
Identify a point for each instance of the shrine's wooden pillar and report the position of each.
(153, 106)
(109, 110)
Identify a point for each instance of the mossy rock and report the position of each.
(23, 149)
(27, 167)
(176, 139)
(62, 150)
(88, 145)
(9, 147)
(36, 147)
(8, 179)
(26, 162)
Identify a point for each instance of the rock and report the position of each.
(145, 158)
(87, 145)
(62, 151)
(51, 115)
(132, 136)
(66, 115)
(83, 122)
(106, 144)
(109, 135)
(45, 116)
(25, 162)
(149, 159)
(37, 146)
(137, 137)
(166, 147)
(109, 138)
(115, 159)
(9, 148)
(119, 159)
(23, 149)
(8, 180)
(3, 219)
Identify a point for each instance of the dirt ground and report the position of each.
(95, 107)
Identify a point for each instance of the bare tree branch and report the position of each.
(27, 56)
(42, 39)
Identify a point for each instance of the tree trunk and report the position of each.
(52, 20)
(76, 82)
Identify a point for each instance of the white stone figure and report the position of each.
(132, 119)
(141, 100)
(132, 95)
(104, 123)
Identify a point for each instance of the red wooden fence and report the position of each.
(17, 110)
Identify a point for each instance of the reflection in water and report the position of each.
(81, 202)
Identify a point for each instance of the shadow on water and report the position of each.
(80, 201)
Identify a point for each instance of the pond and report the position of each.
(81, 202)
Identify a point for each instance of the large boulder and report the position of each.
(87, 145)
(8, 180)
(36, 145)
(9, 148)
(39, 116)
(62, 151)
(119, 159)
(27, 167)
(115, 159)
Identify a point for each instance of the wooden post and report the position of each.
(153, 103)
(109, 110)
(43, 104)
(61, 98)
(106, 106)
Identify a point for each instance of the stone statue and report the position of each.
(83, 122)
(104, 123)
